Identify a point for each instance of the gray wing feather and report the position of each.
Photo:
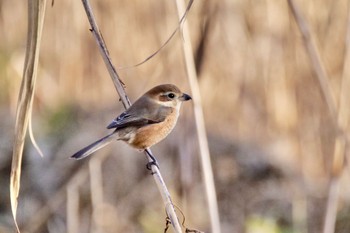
(141, 113)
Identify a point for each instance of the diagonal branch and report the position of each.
(339, 118)
(105, 55)
(126, 102)
(315, 58)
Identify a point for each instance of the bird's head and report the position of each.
(168, 95)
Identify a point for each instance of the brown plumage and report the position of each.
(149, 120)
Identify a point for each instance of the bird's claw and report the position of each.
(152, 163)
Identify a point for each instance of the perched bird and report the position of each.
(148, 121)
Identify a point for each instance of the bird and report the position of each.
(145, 123)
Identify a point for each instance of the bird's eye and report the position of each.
(171, 95)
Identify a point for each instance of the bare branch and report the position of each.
(126, 102)
(200, 126)
(339, 118)
(315, 58)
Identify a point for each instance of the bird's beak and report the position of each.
(185, 97)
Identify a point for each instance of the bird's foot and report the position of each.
(151, 163)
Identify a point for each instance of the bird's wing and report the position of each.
(141, 113)
(126, 119)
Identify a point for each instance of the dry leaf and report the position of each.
(36, 12)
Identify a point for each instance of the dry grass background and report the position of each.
(270, 134)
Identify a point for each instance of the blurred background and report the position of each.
(270, 134)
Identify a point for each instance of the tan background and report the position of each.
(270, 134)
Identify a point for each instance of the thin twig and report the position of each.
(105, 55)
(95, 168)
(200, 126)
(126, 102)
(339, 118)
(72, 208)
(182, 19)
(341, 141)
(315, 58)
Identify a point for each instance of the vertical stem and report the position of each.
(72, 208)
(339, 118)
(198, 113)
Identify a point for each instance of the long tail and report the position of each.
(95, 146)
